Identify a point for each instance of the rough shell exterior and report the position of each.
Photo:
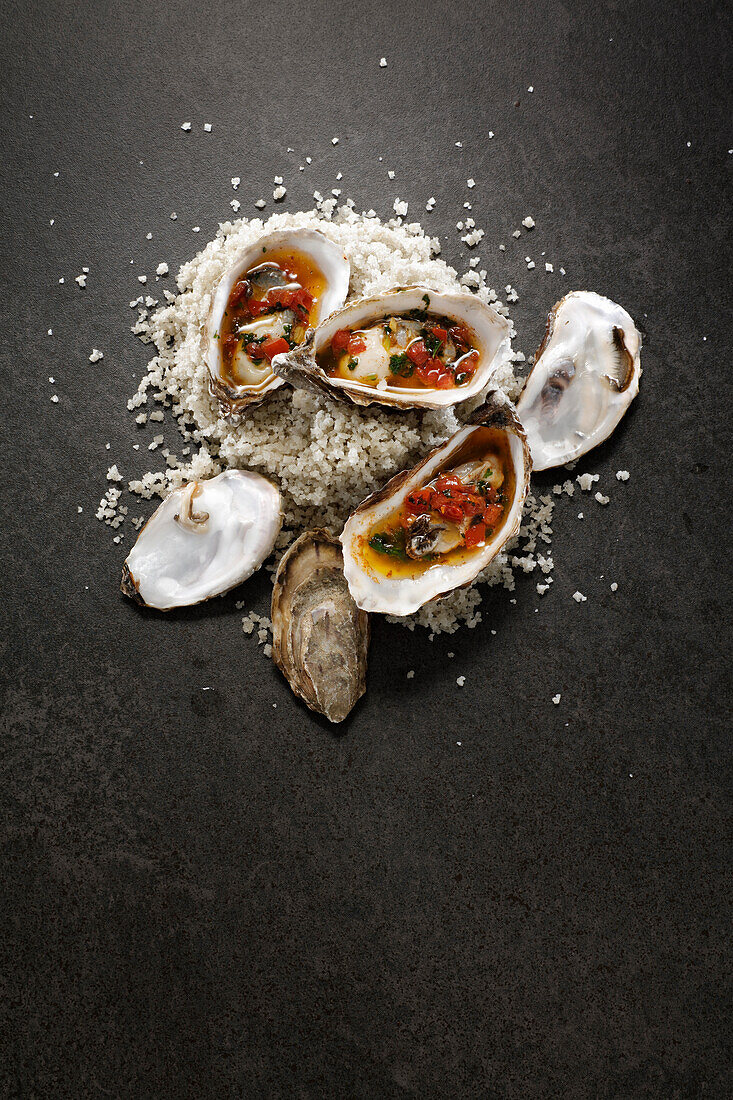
(320, 637)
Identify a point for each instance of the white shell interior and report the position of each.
(372, 591)
(176, 563)
(326, 255)
(491, 329)
(569, 403)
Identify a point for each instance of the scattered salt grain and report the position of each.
(528, 222)
(81, 280)
(585, 481)
(334, 141)
(142, 279)
(96, 355)
(55, 399)
(530, 265)
(235, 204)
(601, 499)
(556, 698)
(383, 63)
(236, 180)
(186, 126)
(400, 207)
(148, 236)
(579, 597)
(411, 674)
(549, 267)
(174, 216)
(580, 515)
(614, 587)
(461, 681)
(622, 475)
(279, 193)
(161, 269)
(470, 183)
(390, 174)
(207, 127)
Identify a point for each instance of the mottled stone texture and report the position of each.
(205, 895)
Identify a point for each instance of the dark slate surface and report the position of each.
(207, 896)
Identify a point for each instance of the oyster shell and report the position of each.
(204, 539)
(585, 375)
(238, 381)
(304, 366)
(493, 437)
(319, 636)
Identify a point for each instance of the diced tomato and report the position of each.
(448, 481)
(256, 306)
(434, 373)
(340, 341)
(240, 290)
(417, 353)
(475, 535)
(468, 364)
(453, 512)
(472, 505)
(271, 348)
(419, 502)
(439, 333)
(460, 335)
(304, 299)
(356, 345)
(491, 514)
(280, 296)
(230, 345)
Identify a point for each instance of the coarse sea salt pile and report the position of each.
(325, 457)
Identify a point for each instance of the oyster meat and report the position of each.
(320, 637)
(204, 539)
(433, 529)
(267, 302)
(585, 375)
(410, 348)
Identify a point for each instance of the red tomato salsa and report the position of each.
(270, 307)
(454, 513)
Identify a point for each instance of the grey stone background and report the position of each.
(205, 895)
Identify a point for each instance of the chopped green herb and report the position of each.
(432, 343)
(391, 543)
(216, 335)
(426, 300)
(352, 364)
(401, 365)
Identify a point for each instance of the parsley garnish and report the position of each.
(352, 364)
(390, 543)
(401, 365)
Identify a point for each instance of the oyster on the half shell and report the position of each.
(585, 375)
(412, 347)
(204, 539)
(320, 637)
(268, 300)
(433, 529)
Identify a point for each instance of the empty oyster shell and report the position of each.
(394, 561)
(383, 372)
(205, 538)
(319, 636)
(291, 260)
(585, 375)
